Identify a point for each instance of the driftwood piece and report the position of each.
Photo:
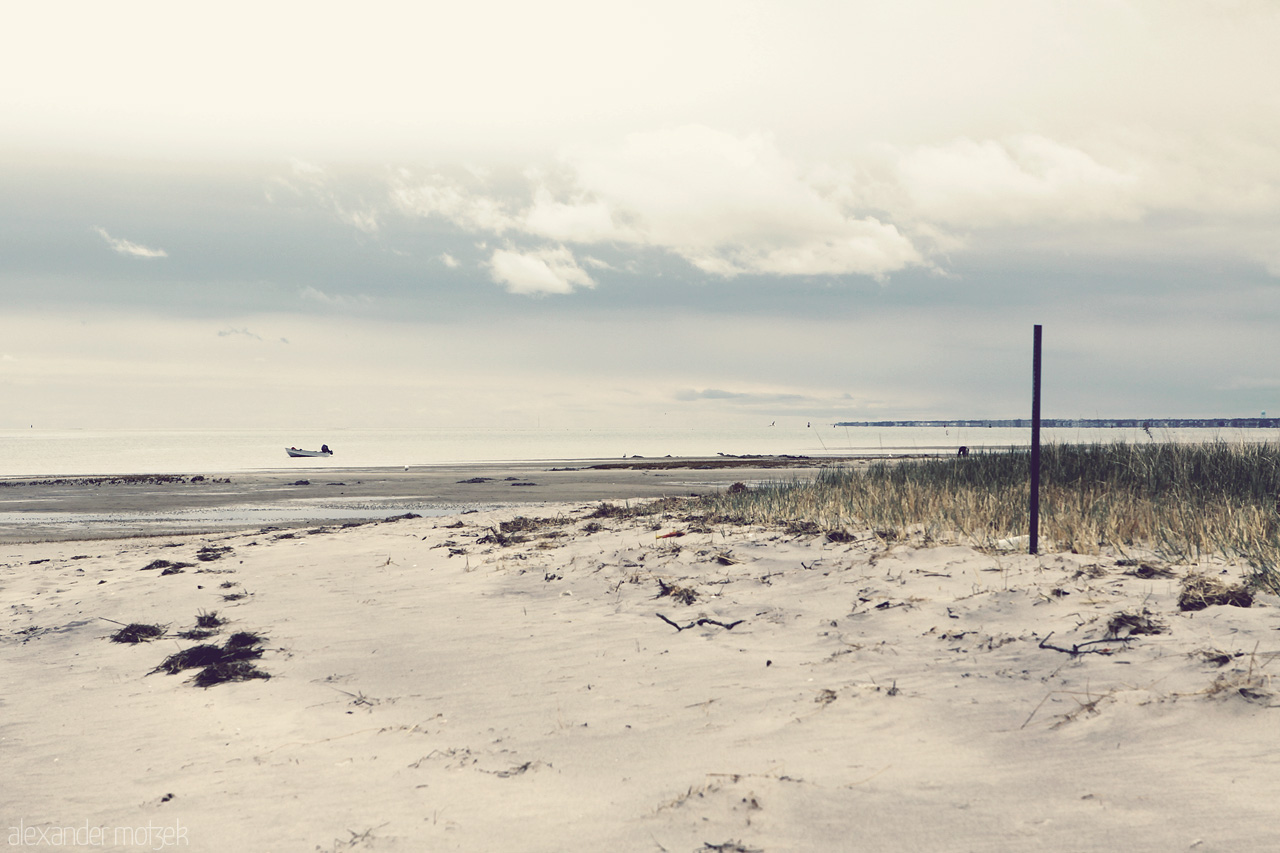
(728, 626)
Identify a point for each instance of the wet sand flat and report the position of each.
(39, 508)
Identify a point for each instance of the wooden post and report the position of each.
(1035, 443)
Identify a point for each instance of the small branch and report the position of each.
(728, 626)
(1079, 649)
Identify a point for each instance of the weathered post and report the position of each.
(1035, 443)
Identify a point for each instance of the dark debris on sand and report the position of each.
(232, 661)
(137, 632)
(168, 567)
(1201, 591)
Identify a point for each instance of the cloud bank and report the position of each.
(727, 205)
(737, 205)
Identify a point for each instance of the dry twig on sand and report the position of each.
(728, 626)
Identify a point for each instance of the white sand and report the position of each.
(528, 698)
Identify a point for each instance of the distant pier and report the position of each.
(1087, 423)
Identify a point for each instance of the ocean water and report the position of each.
(34, 452)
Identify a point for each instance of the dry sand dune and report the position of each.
(597, 684)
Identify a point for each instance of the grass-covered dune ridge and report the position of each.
(1185, 501)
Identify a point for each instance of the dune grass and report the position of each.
(1184, 501)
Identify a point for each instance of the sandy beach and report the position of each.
(539, 675)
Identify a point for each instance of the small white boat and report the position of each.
(323, 451)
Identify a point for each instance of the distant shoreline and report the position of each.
(1086, 423)
(113, 507)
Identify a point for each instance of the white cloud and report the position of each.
(1024, 179)
(126, 247)
(732, 205)
(728, 205)
(438, 196)
(537, 272)
(579, 221)
(340, 300)
(449, 260)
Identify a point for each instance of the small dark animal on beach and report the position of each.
(963, 451)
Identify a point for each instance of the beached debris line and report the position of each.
(511, 532)
(725, 460)
(232, 661)
(124, 480)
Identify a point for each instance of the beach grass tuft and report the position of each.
(1184, 502)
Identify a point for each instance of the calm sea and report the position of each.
(34, 452)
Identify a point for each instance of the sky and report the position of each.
(598, 214)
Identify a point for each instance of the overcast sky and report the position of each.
(576, 214)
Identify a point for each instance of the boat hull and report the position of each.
(293, 451)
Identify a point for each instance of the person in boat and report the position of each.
(324, 448)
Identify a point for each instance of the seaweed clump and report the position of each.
(207, 624)
(232, 661)
(136, 632)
